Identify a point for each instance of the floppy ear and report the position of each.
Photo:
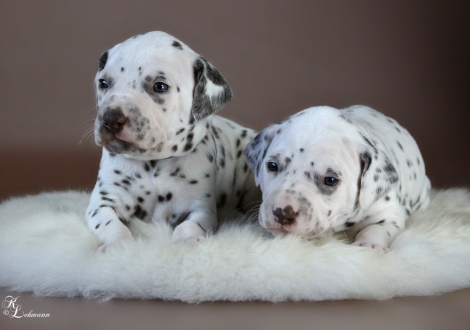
(378, 176)
(211, 91)
(256, 150)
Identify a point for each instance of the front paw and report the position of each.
(189, 232)
(194, 240)
(374, 246)
(119, 237)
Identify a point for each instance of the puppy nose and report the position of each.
(285, 216)
(114, 120)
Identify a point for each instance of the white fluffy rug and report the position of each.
(46, 248)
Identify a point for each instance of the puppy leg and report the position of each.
(381, 231)
(195, 228)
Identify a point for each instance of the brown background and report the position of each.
(408, 59)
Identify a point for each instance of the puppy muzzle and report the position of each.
(288, 213)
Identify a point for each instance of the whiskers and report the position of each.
(253, 209)
(89, 132)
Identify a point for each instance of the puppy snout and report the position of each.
(114, 120)
(285, 216)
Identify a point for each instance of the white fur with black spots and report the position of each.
(326, 169)
(166, 155)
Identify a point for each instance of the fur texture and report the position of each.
(325, 169)
(46, 248)
(166, 155)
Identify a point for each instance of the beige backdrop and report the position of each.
(408, 59)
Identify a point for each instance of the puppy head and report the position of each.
(311, 168)
(154, 97)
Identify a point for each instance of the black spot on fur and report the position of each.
(287, 162)
(400, 146)
(221, 200)
(169, 196)
(188, 146)
(139, 213)
(175, 172)
(176, 44)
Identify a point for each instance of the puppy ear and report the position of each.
(103, 60)
(211, 91)
(256, 150)
(378, 176)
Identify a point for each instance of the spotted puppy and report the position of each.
(326, 169)
(166, 156)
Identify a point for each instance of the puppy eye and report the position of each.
(272, 166)
(103, 84)
(160, 87)
(330, 181)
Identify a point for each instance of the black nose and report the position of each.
(114, 120)
(285, 216)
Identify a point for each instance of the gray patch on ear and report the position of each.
(204, 104)
(103, 60)
(256, 150)
(366, 160)
(390, 172)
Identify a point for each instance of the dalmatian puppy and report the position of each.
(325, 169)
(166, 156)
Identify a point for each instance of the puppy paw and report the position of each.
(102, 249)
(374, 246)
(188, 232)
(119, 238)
(194, 240)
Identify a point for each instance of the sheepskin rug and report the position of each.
(46, 248)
